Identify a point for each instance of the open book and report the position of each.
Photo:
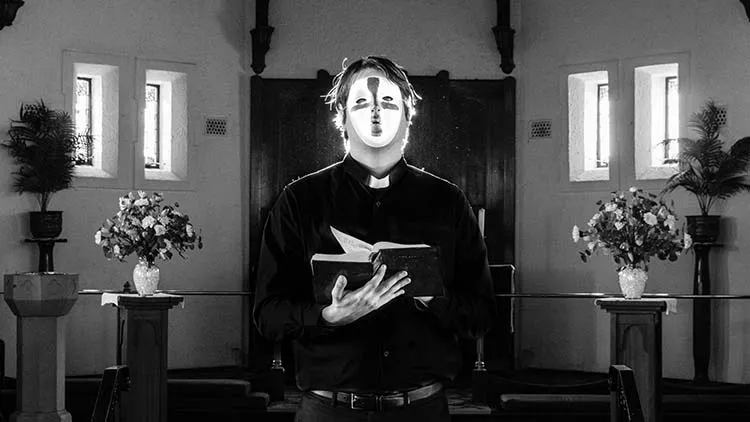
(420, 261)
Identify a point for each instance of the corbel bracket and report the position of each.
(504, 36)
(261, 36)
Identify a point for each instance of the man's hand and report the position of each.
(349, 306)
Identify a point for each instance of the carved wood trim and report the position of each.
(261, 36)
(504, 36)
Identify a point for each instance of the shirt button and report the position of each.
(386, 353)
(377, 204)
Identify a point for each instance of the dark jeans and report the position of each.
(313, 408)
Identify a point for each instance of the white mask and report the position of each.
(375, 109)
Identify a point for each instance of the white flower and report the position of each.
(141, 194)
(619, 225)
(124, 203)
(98, 237)
(633, 189)
(576, 234)
(164, 220)
(650, 219)
(168, 243)
(159, 229)
(611, 206)
(688, 240)
(189, 230)
(116, 250)
(591, 245)
(148, 221)
(670, 222)
(639, 241)
(140, 202)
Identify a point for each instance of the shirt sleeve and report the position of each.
(468, 307)
(284, 305)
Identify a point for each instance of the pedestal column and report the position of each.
(146, 355)
(40, 302)
(635, 341)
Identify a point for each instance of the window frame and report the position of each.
(179, 118)
(602, 179)
(113, 77)
(640, 170)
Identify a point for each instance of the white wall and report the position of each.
(207, 33)
(424, 36)
(573, 334)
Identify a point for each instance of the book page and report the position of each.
(350, 243)
(347, 257)
(392, 245)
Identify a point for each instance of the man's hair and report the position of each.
(342, 83)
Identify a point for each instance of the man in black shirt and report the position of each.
(373, 353)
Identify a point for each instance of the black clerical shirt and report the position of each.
(402, 345)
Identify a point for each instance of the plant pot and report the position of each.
(703, 228)
(45, 224)
(632, 282)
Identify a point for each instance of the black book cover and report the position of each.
(422, 263)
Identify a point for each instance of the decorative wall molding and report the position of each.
(504, 36)
(261, 36)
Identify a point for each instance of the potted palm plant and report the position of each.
(708, 171)
(43, 143)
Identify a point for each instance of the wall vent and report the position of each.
(721, 118)
(216, 126)
(541, 128)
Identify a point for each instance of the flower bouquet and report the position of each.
(150, 230)
(633, 228)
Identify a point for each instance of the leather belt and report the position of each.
(380, 402)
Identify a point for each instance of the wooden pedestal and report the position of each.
(635, 341)
(146, 356)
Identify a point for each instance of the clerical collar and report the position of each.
(362, 174)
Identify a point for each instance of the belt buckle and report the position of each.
(357, 402)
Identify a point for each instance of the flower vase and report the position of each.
(632, 282)
(145, 277)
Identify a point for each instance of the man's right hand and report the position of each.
(349, 306)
